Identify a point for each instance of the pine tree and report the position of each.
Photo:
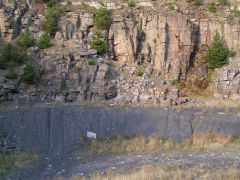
(44, 41)
(50, 24)
(30, 74)
(217, 55)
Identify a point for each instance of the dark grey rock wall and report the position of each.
(57, 129)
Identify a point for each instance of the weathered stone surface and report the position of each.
(163, 45)
(57, 129)
(227, 82)
(165, 41)
(11, 13)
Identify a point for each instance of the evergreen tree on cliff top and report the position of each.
(217, 55)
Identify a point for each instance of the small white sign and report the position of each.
(91, 135)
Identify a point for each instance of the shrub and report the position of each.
(198, 2)
(217, 55)
(189, 1)
(223, 2)
(25, 39)
(30, 74)
(212, 8)
(131, 3)
(91, 62)
(99, 45)
(231, 18)
(176, 83)
(11, 55)
(232, 53)
(139, 73)
(102, 19)
(83, 5)
(97, 34)
(50, 24)
(52, 3)
(171, 7)
(11, 74)
(69, 2)
(44, 41)
(236, 13)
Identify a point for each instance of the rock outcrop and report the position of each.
(166, 47)
(11, 13)
(227, 82)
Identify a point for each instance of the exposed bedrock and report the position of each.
(166, 46)
(57, 129)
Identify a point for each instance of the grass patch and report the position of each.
(99, 45)
(139, 73)
(138, 144)
(212, 8)
(131, 3)
(15, 160)
(198, 2)
(177, 172)
(91, 62)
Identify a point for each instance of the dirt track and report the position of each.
(77, 163)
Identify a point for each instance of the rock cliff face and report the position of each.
(163, 41)
(167, 46)
(57, 129)
(11, 13)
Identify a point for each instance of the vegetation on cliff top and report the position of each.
(50, 24)
(102, 22)
(102, 19)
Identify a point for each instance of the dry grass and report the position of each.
(125, 145)
(202, 171)
(204, 139)
(14, 160)
(143, 144)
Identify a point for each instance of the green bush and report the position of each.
(189, 1)
(50, 24)
(236, 13)
(30, 74)
(231, 17)
(198, 2)
(52, 3)
(217, 55)
(102, 19)
(212, 8)
(99, 45)
(139, 73)
(223, 2)
(232, 53)
(171, 7)
(91, 62)
(176, 83)
(44, 41)
(11, 74)
(131, 3)
(83, 4)
(69, 2)
(25, 39)
(11, 55)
